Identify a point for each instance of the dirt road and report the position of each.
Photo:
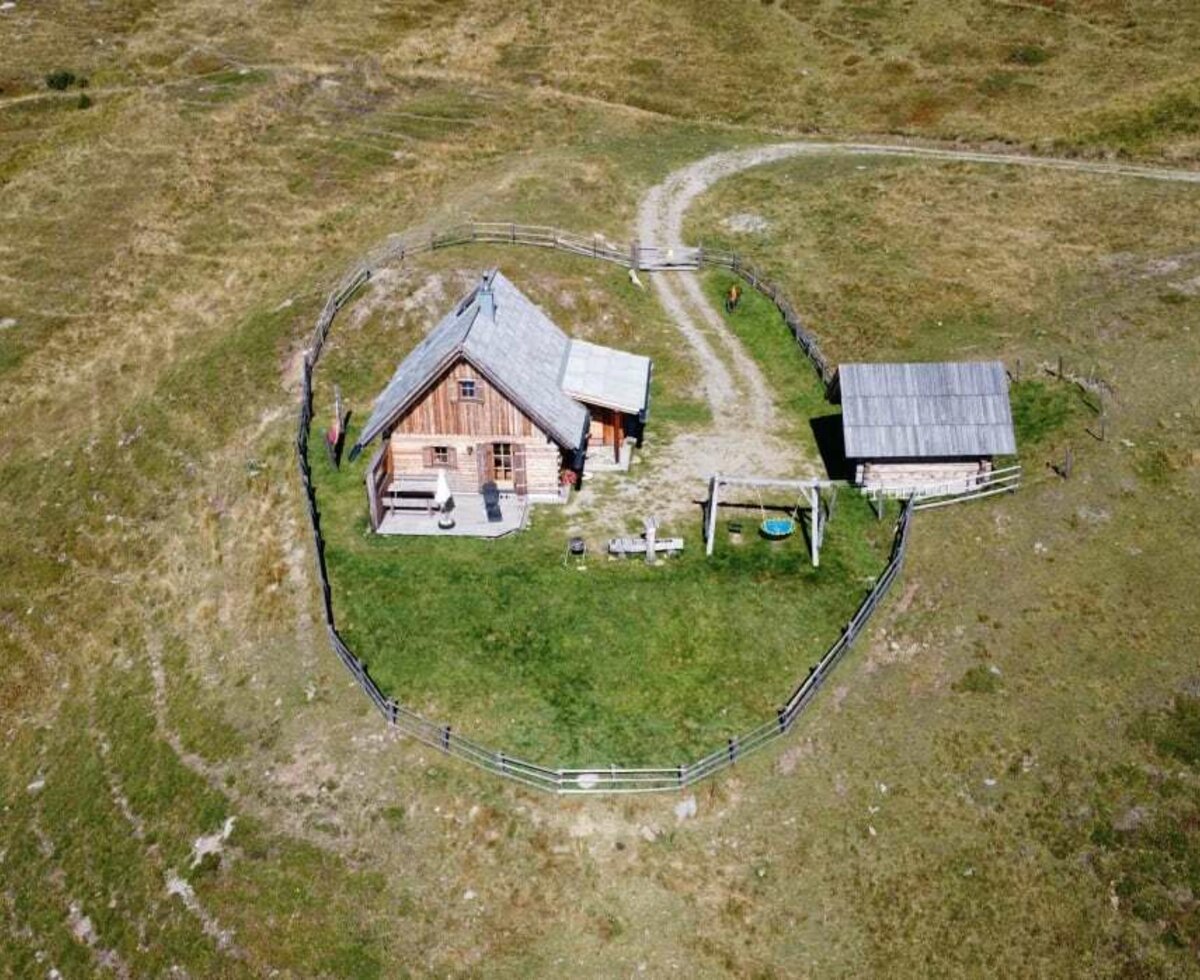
(744, 434)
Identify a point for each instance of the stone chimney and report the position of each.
(487, 299)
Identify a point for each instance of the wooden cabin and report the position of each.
(919, 427)
(497, 393)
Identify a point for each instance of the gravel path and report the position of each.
(744, 435)
(660, 220)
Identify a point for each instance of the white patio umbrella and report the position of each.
(442, 495)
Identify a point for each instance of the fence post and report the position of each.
(635, 256)
(680, 778)
(782, 712)
(391, 712)
(733, 750)
(445, 738)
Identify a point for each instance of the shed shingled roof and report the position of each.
(518, 349)
(957, 408)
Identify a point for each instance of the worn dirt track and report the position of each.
(744, 435)
(660, 220)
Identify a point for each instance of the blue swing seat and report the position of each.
(777, 527)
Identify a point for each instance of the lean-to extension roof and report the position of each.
(926, 410)
(511, 342)
(607, 377)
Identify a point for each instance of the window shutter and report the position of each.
(452, 462)
(520, 480)
(427, 456)
(483, 457)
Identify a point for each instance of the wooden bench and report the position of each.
(410, 495)
(637, 546)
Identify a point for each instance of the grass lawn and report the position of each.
(165, 250)
(620, 663)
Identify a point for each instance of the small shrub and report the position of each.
(1176, 733)
(84, 102)
(393, 816)
(1039, 410)
(1000, 82)
(60, 80)
(1155, 466)
(1173, 114)
(978, 680)
(1029, 55)
(209, 865)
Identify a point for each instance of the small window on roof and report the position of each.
(468, 389)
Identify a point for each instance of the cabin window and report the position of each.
(502, 461)
(444, 456)
(468, 389)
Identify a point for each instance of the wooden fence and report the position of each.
(592, 779)
(640, 256)
(756, 280)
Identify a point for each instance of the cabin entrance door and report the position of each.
(606, 430)
(498, 463)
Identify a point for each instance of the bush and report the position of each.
(1028, 54)
(1176, 734)
(978, 680)
(1039, 410)
(60, 80)
(85, 101)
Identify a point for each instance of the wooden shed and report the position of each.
(923, 425)
(497, 393)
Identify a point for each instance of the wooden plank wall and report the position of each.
(490, 414)
(442, 418)
(542, 460)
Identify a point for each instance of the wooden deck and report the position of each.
(470, 519)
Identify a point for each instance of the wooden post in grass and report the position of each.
(650, 525)
(1068, 463)
(1060, 367)
(710, 518)
(635, 256)
(815, 525)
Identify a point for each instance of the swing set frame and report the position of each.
(806, 488)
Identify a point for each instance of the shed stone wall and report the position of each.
(898, 475)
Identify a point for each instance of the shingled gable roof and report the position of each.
(510, 342)
(926, 410)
